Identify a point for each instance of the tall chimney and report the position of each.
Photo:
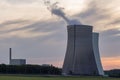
(10, 55)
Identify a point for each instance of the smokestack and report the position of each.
(10, 55)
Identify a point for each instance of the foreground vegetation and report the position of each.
(42, 70)
(24, 77)
(29, 69)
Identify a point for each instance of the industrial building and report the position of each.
(15, 61)
(82, 54)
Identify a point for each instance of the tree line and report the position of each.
(113, 73)
(29, 69)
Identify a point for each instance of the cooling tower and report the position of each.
(82, 55)
(96, 53)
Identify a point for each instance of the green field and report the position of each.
(24, 77)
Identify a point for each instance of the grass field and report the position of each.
(25, 77)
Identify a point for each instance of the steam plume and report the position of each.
(58, 11)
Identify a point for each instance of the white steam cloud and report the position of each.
(58, 11)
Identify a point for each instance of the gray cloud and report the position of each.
(110, 43)
(114, 22)
(39, 26)
(110, 33)
(92, 10)
(99, 15)
(18, 21)
(20, 1)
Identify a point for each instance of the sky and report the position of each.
(40, 37)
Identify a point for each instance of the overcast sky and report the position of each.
(40, 37)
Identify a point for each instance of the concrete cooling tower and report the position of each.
(82, 55)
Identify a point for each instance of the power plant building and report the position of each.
(16, 61)
(82, 55)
